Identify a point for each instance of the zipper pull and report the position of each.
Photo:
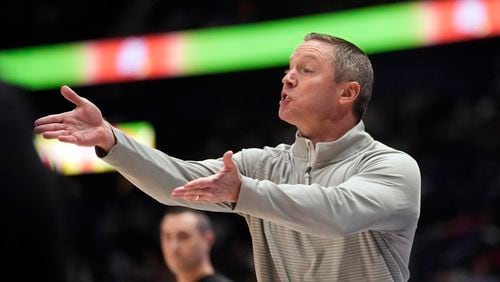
(307, 175)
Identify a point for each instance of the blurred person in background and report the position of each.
(187, 237)
(32, 241)
(336, 205)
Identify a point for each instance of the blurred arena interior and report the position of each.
(440, 104)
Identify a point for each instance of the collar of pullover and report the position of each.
(327, 152)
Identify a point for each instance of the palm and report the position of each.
(81, 123)
(81, 126)
(220, 187)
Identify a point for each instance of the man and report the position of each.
(334, 206)
(186, 240)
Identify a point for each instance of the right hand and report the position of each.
(83, 126)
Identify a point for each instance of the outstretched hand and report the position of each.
(83, 126)
(224, 186)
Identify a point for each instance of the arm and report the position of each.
(151, 170)
(384, 196)
(158, 174)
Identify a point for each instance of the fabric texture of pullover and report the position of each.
(345, 210)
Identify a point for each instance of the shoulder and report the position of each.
(250, 159)
(391, 164)
(280, 150)
(381, 154)
(267, 152)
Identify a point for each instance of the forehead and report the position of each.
(186, 222)
(314, 50)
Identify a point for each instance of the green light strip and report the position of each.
(38, 67)
(270, 44)
(375, 29)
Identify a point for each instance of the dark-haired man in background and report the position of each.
(187, 237)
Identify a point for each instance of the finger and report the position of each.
(228, 160)
(68, 139)
(181, 192)
(54, 134)
(57, 118)
(200, 198)
(200, 183)
(49, 127)
(71, 95)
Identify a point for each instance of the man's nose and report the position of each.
(173, 245)
(289, 79)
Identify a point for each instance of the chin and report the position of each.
(282, 116)
(286, 118)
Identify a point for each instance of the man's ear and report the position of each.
(209, 236)
(350, 92)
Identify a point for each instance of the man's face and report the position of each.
(183, 245)
(310, 94)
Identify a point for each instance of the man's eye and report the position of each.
(307, 70)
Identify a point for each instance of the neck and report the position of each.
(195, 274)
(329, 130)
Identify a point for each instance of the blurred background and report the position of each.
(436, 99)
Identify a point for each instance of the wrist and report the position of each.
(108, 137)
(237, 191)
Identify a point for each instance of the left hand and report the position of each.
(224, 186)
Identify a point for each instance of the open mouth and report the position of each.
(284, 97)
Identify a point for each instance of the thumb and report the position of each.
(228, 160)
(71, 95)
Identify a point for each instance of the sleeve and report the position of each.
(384, 196)
(157, 174)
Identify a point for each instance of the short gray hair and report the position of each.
(350, 64)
